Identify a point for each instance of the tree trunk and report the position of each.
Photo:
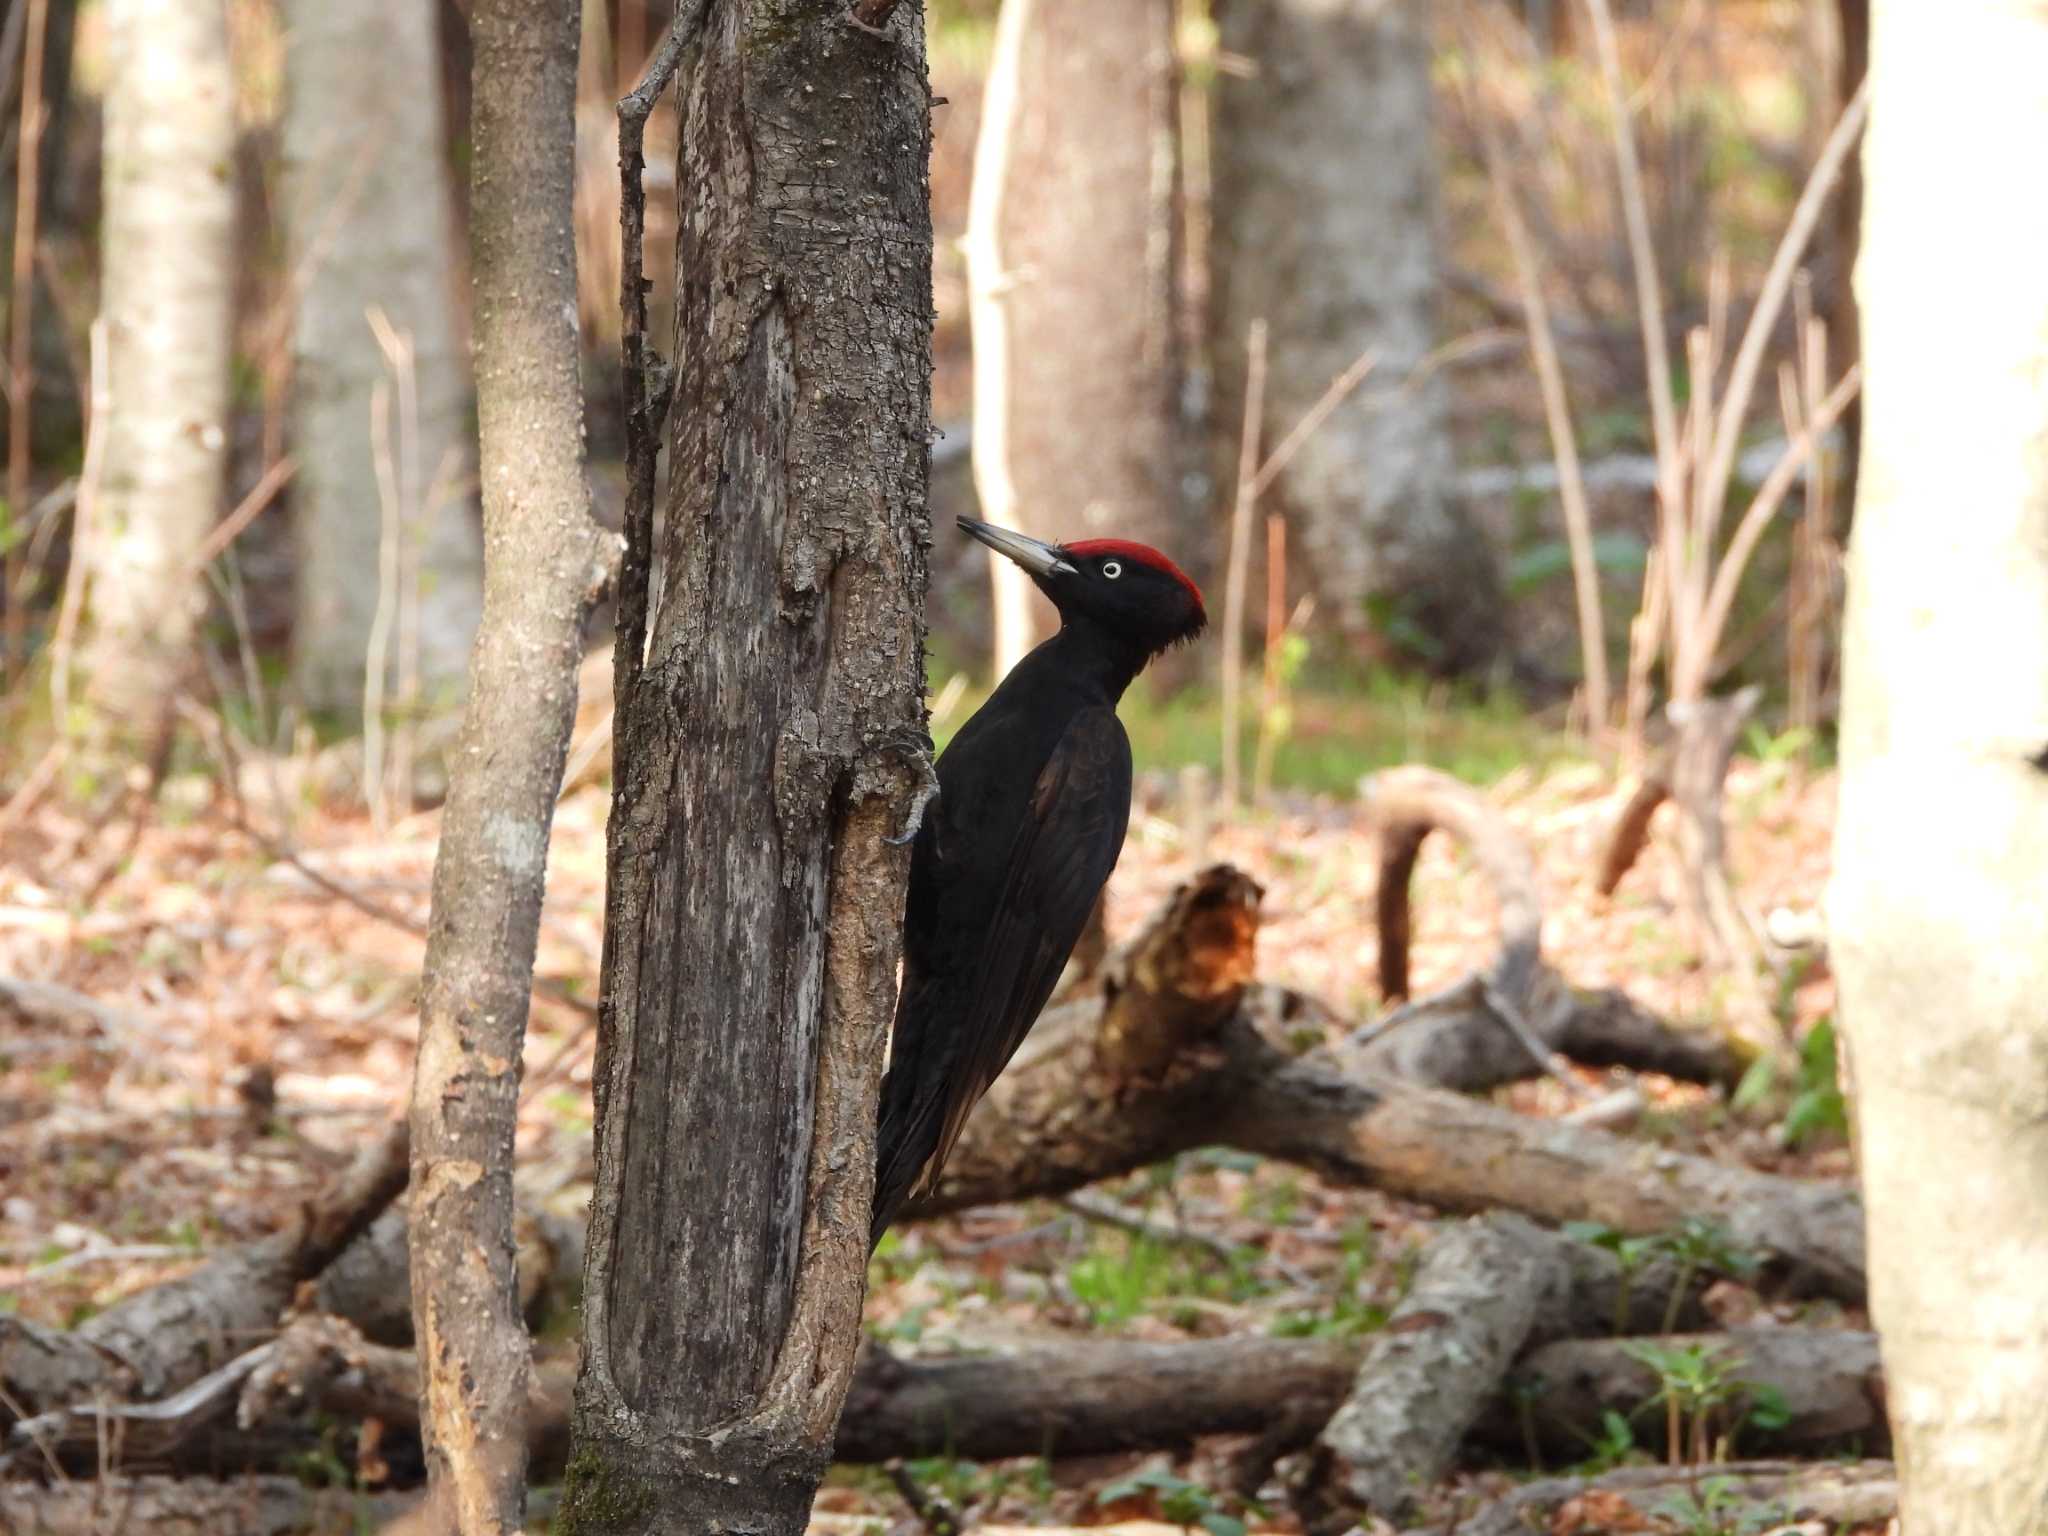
(169, 285)
(370, 226)
(772, 739)
(1325, 227)
(545, 558)
(1073, 264)
(1937, 929)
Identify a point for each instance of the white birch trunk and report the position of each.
(1071, 252)
(1938, 919)
(168, 278)
(370, 226)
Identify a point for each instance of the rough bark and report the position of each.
(1936, 928)
(1428, 1374)
(1325, 226)
(1073, 269)
(544, 557)
(1829, 1379)
(160, 1339)
(369, 222)
(169, 282)
(1763, 1493)
(771, 741)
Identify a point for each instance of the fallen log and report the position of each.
(1044, 1397)
(367, 1284)
(1427, 1375)
(1828, 1382)
(162, 1338)
(1737, 1496)
(1455, 1154)
(1183, 1050)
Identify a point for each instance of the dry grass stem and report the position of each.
(1240, 556)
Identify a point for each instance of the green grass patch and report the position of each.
(1340, 728)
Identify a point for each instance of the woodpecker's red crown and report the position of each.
(1143, 554)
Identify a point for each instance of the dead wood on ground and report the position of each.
(1745, 1495)
(160, 1339)
(1518, 1015)
(1182, 1051)
(1041, 1397)
(1691, 769)
(1828, 1380)
(1427, 1375)
(195, 1506)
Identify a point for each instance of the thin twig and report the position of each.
(229, 528)
(1642, 254)
(1240, 554)
(20, 326)
(377, 648)
(934, 1513)
(83, 530)
(995, 485)
(1557, 413)
(1770, 302)
(1728, 575)
(648, 384)
(1112, 1213)
(1339, 391)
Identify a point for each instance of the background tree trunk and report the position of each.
(774, 737)
(1073, 261)
(169, 286)
(1325, 226)
(367, 211)
(546, 556)
(1937, 929)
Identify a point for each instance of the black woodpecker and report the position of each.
(1034, 795)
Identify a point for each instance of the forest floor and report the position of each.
(257, 998)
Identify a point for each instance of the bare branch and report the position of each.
(1719, 463)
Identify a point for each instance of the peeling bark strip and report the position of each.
(543, 559)
(772, 738)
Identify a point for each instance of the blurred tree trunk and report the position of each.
(772, 738)
(1325, 226)
(169, 279)
(1073, 261)
(367, 212)
(546, 556)
(1852, 62)
(1937, 926)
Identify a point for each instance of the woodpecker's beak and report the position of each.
(1035, 555)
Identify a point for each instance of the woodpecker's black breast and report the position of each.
(1003, 875)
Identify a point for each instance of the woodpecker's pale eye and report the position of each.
(1112, 569)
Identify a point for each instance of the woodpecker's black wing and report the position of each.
(957, 1029)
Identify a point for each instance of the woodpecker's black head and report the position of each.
(1130, 590)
